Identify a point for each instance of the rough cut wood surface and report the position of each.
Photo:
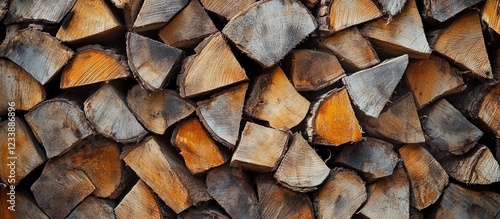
(139, 202)
(392, 7)
(226, 8)
(26, 206)
(130, 10)
(4, 4)
(484, 104)
(444, 10)
(92, 206)
(35, 10)
(155, 14)
(490, 15)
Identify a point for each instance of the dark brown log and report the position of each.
(154, 14)
(290, 24)
(130, 10)
(483, 104)
(92, 207)
(140, 202)
(392, 7)
(25, 206)
(444, 10)
(226, 8)
(36, 11)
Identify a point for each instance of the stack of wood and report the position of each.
(250, 109)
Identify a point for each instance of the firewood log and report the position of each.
(484, 105)
(274, 99)
(207, 210)
(444, 10)
(267, 30)
(93, 206)
(130, 10)
(340, 196)
(25, 206)
(35, 10)
(226, 8)
(158, 110)
(189, 27)
(391, 7)
(154, 14)
(140, 202)
(154, 160)
(490, 16)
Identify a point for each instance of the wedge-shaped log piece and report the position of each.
(370, 89)
(444, 10)
(389, 197)
(301, 169)
(213, 67)
(326, 71)
(107, 110)
(275, 100)
(89, 21)
(432, 78)
(222, 114)
(403, 35)
(353, 50)
(268, 30)
(189, 27)
(152, 62)
(25, 206)
(280, 202)
(392, 7)
(130, 8)
(158, 110)
(154, 14)
(38, 10)
(73, 186)
(427, 177)
(38, 53)
(490, 15)
(335, 15)
(373, 157)
(463, 43)
(206, 210)
(484, 105)
(18, 86)
(233, 190)
(140, 202)
(260, 148)
(159, 166)
(448, 130)
(226, 8)
(93, 64)
(340, 196)
(398, 122)
(66, 127)
(92, 206)
(462, 202)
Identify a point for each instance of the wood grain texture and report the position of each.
(26, 206)
(444, 10)
(189, 27)
(370, 89)
(270, 29)
(38, 53)
(490, 15)
(222, 113)
(18, 86)
(67, 126)
(203, 211)
(275, 100)
(427, 177)
(301, 169)
(484, 105)
(93, 64)
(152, 63)
(260, 148)
(391, 7)
(340, 196)
(213, 57)
(154, 14)
(92, 206)
(140, 202)
(226, 8)
(158, 110)
(130, 8)
(38, 10)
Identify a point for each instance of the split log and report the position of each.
(213, 57)
(107, 110)
(461, 202)
(326, 71)
(93, 64)
(484, 104)
(18, 86)
(59, 189)
(427, 177)
(490, 15)
(222, 113)
(24, 151)
(158, 110)
(25, 206)
(370, 89)
(140, 202)
(463, 43)
(66, 127)
(80, 25)
(333, 113)
(226, 8)
(93, 206)
(301, 169)
(36, 11)
(203, 211)
(398, 122)
(373, 157)
(198, 149)
(448, 130)
(155, 14)
(153, 160)
(232, 189)
(403, 35)
(275, 100)
(279, 202)
(260, 148)
(268, 30)
(392, 7)
(189, 27)
(152, 63)
(354, 51)
(389, 197)
(38, 53)
(432, 78)
(130, 9)
(341, 195)
(335, 15)
(444, 10)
